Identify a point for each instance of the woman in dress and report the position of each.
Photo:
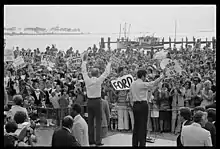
(164, 115)
(187, 93)
(207, 94)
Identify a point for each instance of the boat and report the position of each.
(144, 42)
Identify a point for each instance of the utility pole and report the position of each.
(175, 31)
(120, 32)
(125, 30)
(129, 30)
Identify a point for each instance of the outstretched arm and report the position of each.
(106, 72)
(150, 85)
(83, 66)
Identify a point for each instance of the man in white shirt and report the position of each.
(93, 90)
(80, 127)
(18, 100)
(194, 134)
(138, 91)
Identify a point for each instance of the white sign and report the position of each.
(173, 67)
(48, 60)
(71, 62)
(19, 63)
(164, 62)
(123, 83)
(160, 55)
(8, 55)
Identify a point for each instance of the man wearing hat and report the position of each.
(93, 90)
(196, 90)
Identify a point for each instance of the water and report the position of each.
(82, 42)
(62, 42)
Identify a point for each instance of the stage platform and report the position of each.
(113, 139)
(126, 140)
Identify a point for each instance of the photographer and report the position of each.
(10, 137)
(25, 131)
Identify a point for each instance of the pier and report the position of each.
(182, 42)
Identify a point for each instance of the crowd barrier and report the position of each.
(58, 114)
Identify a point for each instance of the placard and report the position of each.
(19, 63)
(74, 61)
(48, 60)
(123, 83)
(165, 62)
(160, 55)
(8, 55)
(173, 67)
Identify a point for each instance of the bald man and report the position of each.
(63, 137)
(93, 90)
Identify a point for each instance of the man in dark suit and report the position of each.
(63, 136)
(210, 126)
(185, 117)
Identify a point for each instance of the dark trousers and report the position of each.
(178, 141)
(140, 110)
(94, 114)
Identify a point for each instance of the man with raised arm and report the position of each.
(93, 90)
(140, 107)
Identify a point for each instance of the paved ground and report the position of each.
(113, 138)
(126, 140)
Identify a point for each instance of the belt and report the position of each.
(143, 101)
(94, 98)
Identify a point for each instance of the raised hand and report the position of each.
(84, 56)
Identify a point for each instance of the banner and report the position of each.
(48, 60)
(19, 63)
(173, 67)
(8, 55)
(160, 55)
(74, 62)
(123, 83)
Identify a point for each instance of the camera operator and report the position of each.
(25, 131)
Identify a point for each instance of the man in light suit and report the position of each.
(80, 127)
(185, 118)
(194, 134)
(94, 105)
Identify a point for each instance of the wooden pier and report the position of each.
(182, 42)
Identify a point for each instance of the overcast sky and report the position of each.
(103, 18)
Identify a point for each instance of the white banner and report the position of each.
(74, 62)
(173, 67)
(160, 55)
(123, 83)
(8, 55)
(19, 63)
(48, 60)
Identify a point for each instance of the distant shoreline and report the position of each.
(17, 34)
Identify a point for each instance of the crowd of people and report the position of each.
(62, 85)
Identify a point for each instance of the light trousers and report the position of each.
(131, 115)
(176, 123)
(123, 123)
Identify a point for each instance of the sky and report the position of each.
(107, 19)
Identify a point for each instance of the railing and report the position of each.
(57, 113)
(62, 112)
